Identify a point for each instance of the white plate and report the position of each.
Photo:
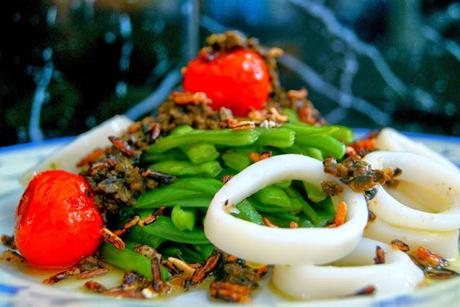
(23, 289)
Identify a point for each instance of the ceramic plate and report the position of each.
(22, 287)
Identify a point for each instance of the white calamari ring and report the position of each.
(391, 140)
(350, 274)
(424, 174)
(282, 245)
(443, 243)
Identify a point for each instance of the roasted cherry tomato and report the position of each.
(238, 80)
(57, 221)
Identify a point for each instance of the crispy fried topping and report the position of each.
(12, 256)
(268, 223)
(255, 157)
(369, 290)
(185, 98)
(379, 255)
(133, 286)
(398, 244)
(370, 216)
(230, 292)
(187, 270)
(112, 238)
(440, 274)
(8, 241)
(341, 214)
(430, 258)
(359, 175)
(270, 114)
(433, 266)
(366, 145)
(226, 178)
(115, 174)
(133, 222)
(94, 286)
(275, 52)
(297, 94)
(122, 146)
(157, 282)
(159, 177)
(91, 157)
(86, 268)
(149, 219)
(331, 188)
(238, 125)
(210, 264)
(146, 251)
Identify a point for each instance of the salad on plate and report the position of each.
(235, 181)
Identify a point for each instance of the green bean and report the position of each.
(263, 208)
(325, 211)
(200, 153)
(227, 172)
(247, 212)
(181, 130)
(174, 154)
(276, 137)
(187, 252)
(340, 133)
(305, 150)
(216, 137)
(315, 153)
(164, 228)
(314, 193)
(305, 223)
(127, 260)
(327, 144)
(273, 196)
(138, 235)
(199, 202)
(209, 186)
(305, 207)
(196, 202)
(186, 192)
(165, 196)
(184, 168)
(183, 219)
(283, 184)
(205, 250)
(164, 272)
(237, 160)
(291, 114)
(282, 220)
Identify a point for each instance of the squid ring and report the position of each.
(282, 245)
(350, 274)
(425, 174)
(443, 243)
(391, 140)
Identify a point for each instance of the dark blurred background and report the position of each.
(65, 66)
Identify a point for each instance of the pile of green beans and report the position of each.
(200, 159)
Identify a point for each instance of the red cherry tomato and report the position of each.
(57, 221)
(238, 80)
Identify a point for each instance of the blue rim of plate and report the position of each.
(30, 145)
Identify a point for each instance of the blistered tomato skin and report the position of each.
(238, 80)
(57, 221)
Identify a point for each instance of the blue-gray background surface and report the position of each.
(67, 65)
